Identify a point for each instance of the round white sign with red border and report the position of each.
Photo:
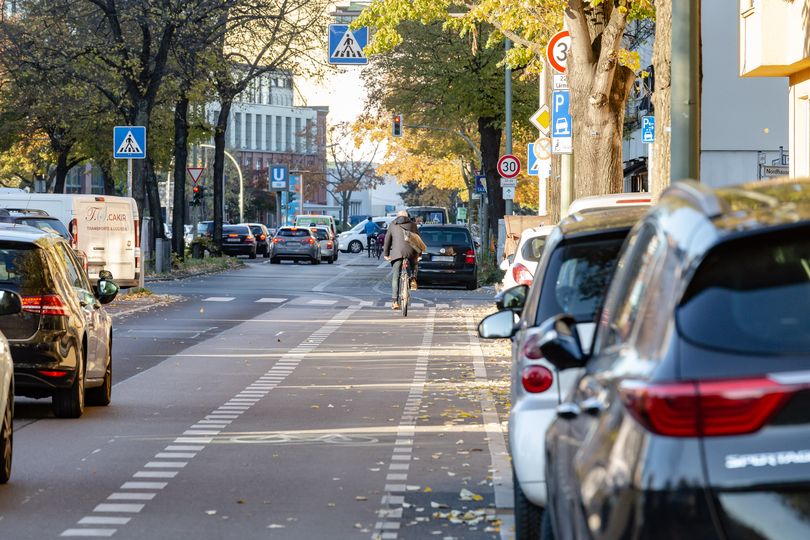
(557, 50)
(508, 166)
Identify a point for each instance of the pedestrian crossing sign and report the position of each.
(129, 142)
(346, 45)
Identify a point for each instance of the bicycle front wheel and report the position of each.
(404, 293)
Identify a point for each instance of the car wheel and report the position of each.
(546, 532)
(266, 253)
(275, 260)
(102, 395)
(528, 516)
(472, 285)
(69, 402)
(355, 246)
(252, 254)
(316, 260)
(331, 261)
(7, 438)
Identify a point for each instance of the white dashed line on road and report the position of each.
(271, 300)
(322, 302)
(219, 299)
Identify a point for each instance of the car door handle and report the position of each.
(593, 406)
(568, 411)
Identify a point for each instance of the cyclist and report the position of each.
(396, 250)
(371, 230)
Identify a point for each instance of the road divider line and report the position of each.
(498, 451)
(393, 501)
(194, 439)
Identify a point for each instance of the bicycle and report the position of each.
(378, 248)
(404, 287)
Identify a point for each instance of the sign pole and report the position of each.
(508, 86)
(542, 178)
(129, 177)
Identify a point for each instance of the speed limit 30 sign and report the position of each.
(508, 166)
(557, 50)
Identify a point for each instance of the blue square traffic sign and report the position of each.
(129, 142)
(480, 183)
(561, 115)
(346, 45)
(648, 129)
(278, 178)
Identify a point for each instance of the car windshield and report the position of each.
(321, 234)
(533, 248)
(205, 227)
(22, 266)
(256, 229)
(234, 229)
(577, 277)
(49, 225)
(751, 295)
(437, 237)
(295, 233)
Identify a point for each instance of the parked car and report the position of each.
(205, 229)
(450, 256)
(691, 418)
(263, 238)
(10, 304)
(105, 229)
(295, 244)
(61, 343)
(572, 277)
(428, 215)
(238, 240)
(354, 240)
(520, 270)
(327, 242)
(603, 202)
(36, 218)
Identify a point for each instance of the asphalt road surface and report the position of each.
(277, 401)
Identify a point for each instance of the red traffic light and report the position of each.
(196, 189)
(396, 127)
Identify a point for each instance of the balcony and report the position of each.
(774, 38)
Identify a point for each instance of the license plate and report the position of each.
(443, 258)
(233, 240)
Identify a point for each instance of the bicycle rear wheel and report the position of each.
(404, 291)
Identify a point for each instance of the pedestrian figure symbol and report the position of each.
(129, 145)
(348, 47)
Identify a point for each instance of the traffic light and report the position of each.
(197, 196)
(396, 125)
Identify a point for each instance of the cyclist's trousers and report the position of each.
(396, 265)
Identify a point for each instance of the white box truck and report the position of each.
(105, 229)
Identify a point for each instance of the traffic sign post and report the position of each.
(508, 193)
(346, 45)
(480, 183)
(561, 133)
(129, 142)
(508, 182)
(648, 129)
(557, 50)
(541, 119)
(279, 178)
(508, 166)
(195, 173)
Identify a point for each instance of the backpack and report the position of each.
(414, 240)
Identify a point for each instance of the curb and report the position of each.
(186, 276)
(140, 308)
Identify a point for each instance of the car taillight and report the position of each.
(522, 275)
(250, 239)
(707, 409)
(275, 240)
(49, 304)
(536, 379)
(137, 245)
(329, 245)
(531, 347)
(262, 237)
(73, 229)
(49, 373)
(233, 236)
(311, 241)
(469, 257)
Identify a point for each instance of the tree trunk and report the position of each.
(345, 201)
(662, 73)
(153, 200)
(490, 152)
(109, 181)
(219, 165)
(599, 125)
(180, 161)
(61, 169)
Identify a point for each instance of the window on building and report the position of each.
(309, 137)
(279, 128)
(248, 130)
(237, 126)
(268, 131)
(258, 138)
(288, 138)
(298, 136)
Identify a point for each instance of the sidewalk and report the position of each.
(128, 304)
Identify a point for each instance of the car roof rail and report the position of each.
(698, 195)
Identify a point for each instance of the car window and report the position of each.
(49, 225)
(576, 278)
(256, 229)
(437, 237)
(751, 296)
(533, 248)
(24, 267)
(235, 229)
(294, 233)
(205, 227)
(75, 275)
(320, 234)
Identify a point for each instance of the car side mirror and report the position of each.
(10, 303)
(498, 325)
(106, 289)
(560, 343)
(513, 298)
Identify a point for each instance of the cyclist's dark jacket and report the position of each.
(395, 245)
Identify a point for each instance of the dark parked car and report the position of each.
(61, 343)
(691, 419)
(572, 277)
(35, 218)
(295, 244)
(449, 258)
(263, 238)
(238, 240)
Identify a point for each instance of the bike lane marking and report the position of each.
(195, 439)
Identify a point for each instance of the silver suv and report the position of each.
(295, 244)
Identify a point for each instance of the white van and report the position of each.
(105, 229)
(316, 220)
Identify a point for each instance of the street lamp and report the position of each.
(241, 183)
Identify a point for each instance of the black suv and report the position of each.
(691, 419)
(61, 343)
(450, 256)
